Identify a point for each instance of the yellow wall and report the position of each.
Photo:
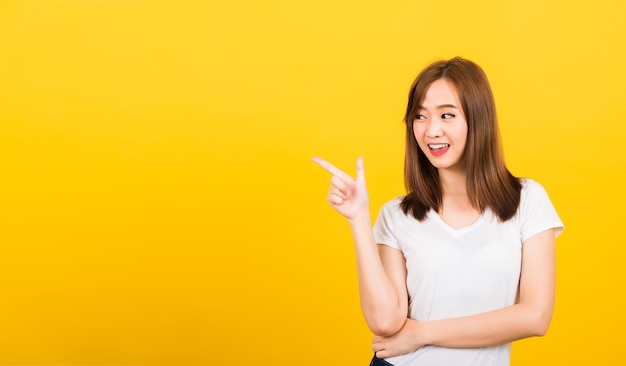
(158, 205)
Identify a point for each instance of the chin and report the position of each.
(445, 165)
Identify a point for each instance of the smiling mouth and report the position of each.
(438, 146)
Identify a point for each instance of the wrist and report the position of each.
(420, 332)
(360, 218)
(424, 336)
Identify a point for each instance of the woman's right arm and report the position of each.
(381, 269)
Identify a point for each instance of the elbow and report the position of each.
(383, 331)
(541, 329)
(385, 328)
(540, 324)
(385, 320)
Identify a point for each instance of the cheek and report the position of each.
(418, 135)
(418, 140)
(417, 131)
(462, 132)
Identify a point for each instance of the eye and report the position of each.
(447, 116)
(420, 116)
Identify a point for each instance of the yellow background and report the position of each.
(158, 205)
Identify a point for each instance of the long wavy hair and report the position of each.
(489, 182)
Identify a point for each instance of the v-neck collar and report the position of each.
(460, 231)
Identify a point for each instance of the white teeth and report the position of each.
(438, 146)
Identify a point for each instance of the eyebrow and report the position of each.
(440, 106)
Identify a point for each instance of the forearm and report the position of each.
(529, 317)
(487, 329)
(383, 307)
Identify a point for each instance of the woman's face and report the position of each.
(440, 127)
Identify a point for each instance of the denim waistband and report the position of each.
(379, 362)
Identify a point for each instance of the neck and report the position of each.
(455, 199)
(453, 182)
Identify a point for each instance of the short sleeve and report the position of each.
(384, 227)
(537, 213)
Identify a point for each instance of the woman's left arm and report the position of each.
(529, 317)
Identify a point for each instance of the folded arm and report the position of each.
(530, 316)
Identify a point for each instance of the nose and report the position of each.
(434, 129)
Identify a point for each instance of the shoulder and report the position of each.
(389, 217)
(393, 203)
(536, 211)
(391, 210)
(530, 184)
(532, 190)
(393, 206)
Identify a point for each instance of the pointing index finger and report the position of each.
(331, 168)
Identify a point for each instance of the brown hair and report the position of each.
(489, 182)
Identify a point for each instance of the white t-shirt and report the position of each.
(459, 272)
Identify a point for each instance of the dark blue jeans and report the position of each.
(379, 362)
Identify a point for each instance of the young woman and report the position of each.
(464, 263)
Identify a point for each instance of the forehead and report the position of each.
(441, 92)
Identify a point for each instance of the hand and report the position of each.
(346, 195)
(405, 341)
